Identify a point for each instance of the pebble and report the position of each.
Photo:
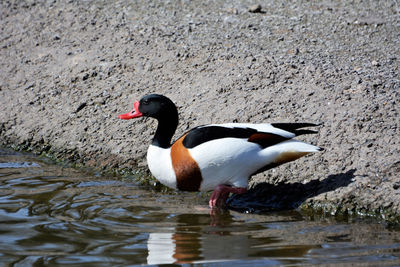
(396, 185)
(375, 63)
(80, 107)
(233, 11)
(255, 8)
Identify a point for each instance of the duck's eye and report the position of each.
(145, 102)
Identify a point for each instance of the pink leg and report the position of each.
(221, 193)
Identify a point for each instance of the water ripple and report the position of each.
(52, 215)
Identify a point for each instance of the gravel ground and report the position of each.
(68, 68)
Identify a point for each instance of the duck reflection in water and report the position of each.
(196, 238)
(200, 238)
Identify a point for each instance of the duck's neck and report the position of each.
(165, 130)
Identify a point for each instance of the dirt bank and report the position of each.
(69, 68)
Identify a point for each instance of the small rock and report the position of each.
(375, 63)
(31, 85)
(255, 8)
(396, 185)
(80, 107)
(294, 51)
(233, 11)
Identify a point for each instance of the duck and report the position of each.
(216, 157)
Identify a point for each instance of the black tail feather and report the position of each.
(300, 132)
(292, 127)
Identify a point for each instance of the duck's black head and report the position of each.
(161, 108)
(156, 106)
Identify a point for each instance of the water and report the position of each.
(52, 215)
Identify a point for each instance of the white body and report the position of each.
(160, 165)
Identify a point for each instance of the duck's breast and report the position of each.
(160, 165)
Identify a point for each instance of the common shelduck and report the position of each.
(219, 157)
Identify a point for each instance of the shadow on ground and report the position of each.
(266, 197)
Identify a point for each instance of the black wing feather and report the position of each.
(204, 134)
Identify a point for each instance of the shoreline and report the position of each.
(310, 209)
(68, 70)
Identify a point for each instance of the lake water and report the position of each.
(54, 215)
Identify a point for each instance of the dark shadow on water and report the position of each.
(266, 197)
